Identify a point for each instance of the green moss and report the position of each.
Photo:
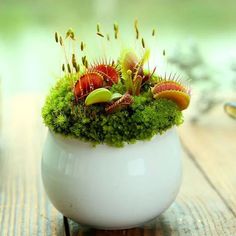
(143, 119)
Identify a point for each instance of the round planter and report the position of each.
(112, 188)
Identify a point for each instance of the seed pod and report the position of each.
(61, 41)
(70, 34)
(86, 63)
(164, 52)
(63, 67)
(153, 32)
(115, 26)
(99, 34)
(143, 43)
(137, 34)
(68, 68)
(77, 68)
(108, 37)
(82, 46)
(136, 24)
(73, 60)
(98, 28)
(83, 60)
(136, 28)
(56, 37)
(116, 30)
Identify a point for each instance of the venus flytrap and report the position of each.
(92, 100)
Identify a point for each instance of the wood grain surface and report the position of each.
(206, 204)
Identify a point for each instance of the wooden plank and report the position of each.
(25, 209)
(212, 146)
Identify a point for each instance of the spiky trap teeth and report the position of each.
(108, 71)
(172, 90)
(96, 76)
(87, 83)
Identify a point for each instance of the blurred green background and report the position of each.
(199, 37)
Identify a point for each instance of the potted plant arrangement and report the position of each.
(112, 157)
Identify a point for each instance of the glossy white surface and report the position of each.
(112, 188)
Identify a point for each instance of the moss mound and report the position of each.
(142, 120)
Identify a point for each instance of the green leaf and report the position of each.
(137, 85)
(98, 96)
(116, 96)
(129, 82)
(143, 60)
(128, 62)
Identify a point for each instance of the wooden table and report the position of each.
(206, 204)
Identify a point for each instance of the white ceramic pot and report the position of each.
(112, 188)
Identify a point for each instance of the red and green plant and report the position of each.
(113, 101)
